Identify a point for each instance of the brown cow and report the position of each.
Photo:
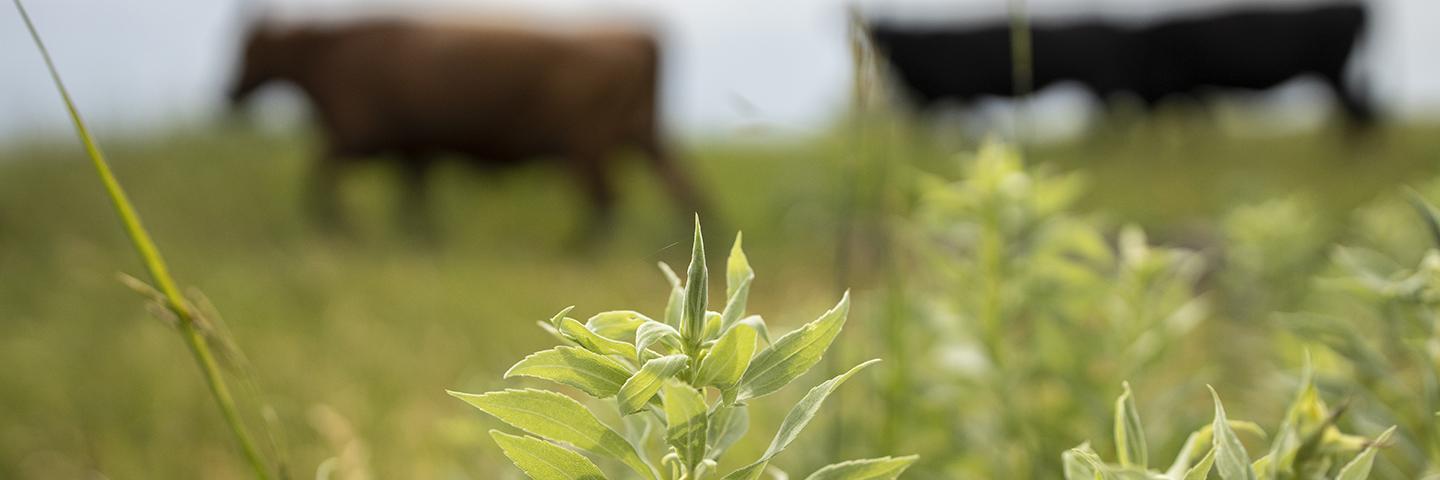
(496, 96)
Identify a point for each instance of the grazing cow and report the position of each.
(1255, 49)
(409, 92)
(965, 64)
(1248, 49)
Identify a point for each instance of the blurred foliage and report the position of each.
(1035, 316)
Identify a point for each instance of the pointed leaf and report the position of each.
(1082, 463)
(1359, 467)
(727, 425)
(558, 418)
(1201, 470)
(542, 460)
(619, 324)
(728, 359)
(1230, 457)
(795, 421)
(793, 354)
(883, 468)
(588, 371)
(697, 292)
(641, 387)
(685, 414)
(593, 341)
(1129, 436)
(738, 277)
(675, 307)
(653, 332)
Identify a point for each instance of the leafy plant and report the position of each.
(189, 322)
(1307, 445)
(1016, 279)
(1378, 318)
(660, 376)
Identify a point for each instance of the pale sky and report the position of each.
(136, 66)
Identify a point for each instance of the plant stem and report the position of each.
(155, 265)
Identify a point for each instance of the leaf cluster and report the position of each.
(688, 377)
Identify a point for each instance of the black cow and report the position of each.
(964, 64)
(1254, 49)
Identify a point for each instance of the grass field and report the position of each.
(354, 340)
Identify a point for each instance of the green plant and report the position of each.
(186, 319)
(1307, 445)
(1378, 318)
(1015, 279)
(659, 375)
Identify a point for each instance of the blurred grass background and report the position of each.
(354, 339)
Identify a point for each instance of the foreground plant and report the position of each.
(186, 319)
(688, 376)
(1308, 445)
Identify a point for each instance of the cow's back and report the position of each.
(1252, 49)
(495, 93)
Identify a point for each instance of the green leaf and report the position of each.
(674, 308)
(727, 425)
(738, 277)
(793, 354)
(594, 342)
(697, 292)
(619, 324)
(1230, 457)
(685, 414)
(642, 386)
(737, 267)
(558, 418)
(1129, 436)
(1201, 470)
(883, 468)
(728, 359)
(757, 323)
(1082, 463)
(1359, 467)
(795, 421)
(653, 332)
(555, 320)
(588, 371)
(542, 460)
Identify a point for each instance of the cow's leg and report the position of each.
(413, 215)
(1359, 114)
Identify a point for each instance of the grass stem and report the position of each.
(155, 265)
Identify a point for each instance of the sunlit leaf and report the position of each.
(685, 415)
(793, 354)
(641, 387)
(795, 421)
(1230, 457)
(588, 371)
(542, 460)
(883, 468)
(558, 418)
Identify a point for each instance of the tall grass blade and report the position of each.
(154, 264)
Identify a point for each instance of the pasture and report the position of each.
(354, 340)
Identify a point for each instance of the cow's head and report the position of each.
(265, 56)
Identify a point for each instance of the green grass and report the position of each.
(376, 328)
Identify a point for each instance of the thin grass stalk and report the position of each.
(154, 265)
